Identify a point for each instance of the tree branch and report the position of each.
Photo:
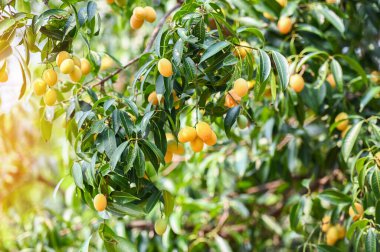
(147, 48)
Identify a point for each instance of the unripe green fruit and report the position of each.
(160, 226)
(242, 121)
(121, 3)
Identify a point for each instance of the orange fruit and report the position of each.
(284, 25)
(176, 148)
(85, 66)
(152, 98)
(196, 145)
(76, 61)
(241, 87)
(325, 223)
(50, 97)
(4, 76)
(110, 1)
(50, 77)
(212, 140)
(356, 215)
(100, 202)
(61, 57)
(188, 134)
(136, 23)
(332, 236)
(76, 75)
(232, 99)
(342, 118)
(165, 67)
(297, 83)
(67, 66)
(204, 131)
(139, 13)
(168, 157)
(39, 87)
(242, 50)
(150, 14)
(341, 231)
(330, 79)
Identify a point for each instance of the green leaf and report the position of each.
(230, 119)
(131, 156)
(354, 65)
(125, 209)
(5, 24)
(178, 52)
(368, 96)
(91, 10)
(214, 49)
(371, 240)
(76, 172)
(334, 19)
(168, 203)
(46, 129)
(253, 31)
(140, 163)
(336, 70)
(85, 245)
(327, 248)
(222, 244)
(377, 212)
(282, 68)
(359, 224)
(350, 139)
(335, 197)
(190, 68)
(295, 215)
(117, 154)
(123, 197)
(152, 200)
(375, 181)
(264, 66)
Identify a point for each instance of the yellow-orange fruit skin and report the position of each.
(165, 67)
(67, 66)
(160, 226)
(176, 148)
(204, 131)
(332, 236)
(232, 99)
(283, 3)
(330, 1)
(136, 23)
(242, 50)
(39, 87)
(168, 157)
(50, 77)
(76, 75)
(297, 83)
(152, 98)
(110, 1)
(345, 131)
(212, 141)
(197, 145)
(150, 14)
(377, 158)
(342, 118)
(330, 79)
(284, 25)
(50, 97)
(76, 61)
(139, 13)
(85, 66)
(188, 134)
(100, 202)
(359, 211)
(341, 231)
(241, 87)
(4, 76)
(325, 223)
(61, 57)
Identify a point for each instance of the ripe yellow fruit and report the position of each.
(110, 1)
(242, 50)
(121, 3)
(100, 202)
(50, 77)
(50, 97)
(330, 1)
(284, 25)
(4, 76)
(325, 223)
(332, 236)
(39, 87)
(107, 63)
(150, 14)
(232, 99)
(168, 157)
(268, 16)
(344, 132)
(76, 75)
(297, 83)
(213, 139)
(165, 67)
(356, 215)
(330, 79)
(135, 22)
(152, 98)
(341, 231)
(204, 131)
(188, 134)
(139, 13)
(85, 66)
(377, 158)
(176, 148)
(61, 57)
(283, 3)
(197, 145)
(160, 226)
(76, 61)
(342, 118)
(241, 87)
(251, 84)
(67, 66)
(375, 76)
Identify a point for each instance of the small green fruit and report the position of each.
(242, 121)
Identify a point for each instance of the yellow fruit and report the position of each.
(242, 50)
(50, 97)
(297, 83)
(284, 25)
(375, 76)
(176, 148)
(39, 87)
(100, 202)
(332, 236)
(136, 23)
(283, 3)
(139, 13)
(341, 231)
(165, 67)
(168, 157)
(196, 145)
(150, 14)
(377, 158)
(85, 66)
(204, 131)
(107, 63)
(356, 215)
(76, 75)
(342, 118)
(4, 76)
(61, 57)
(232, 99)
(188, 134)
(152, 98)
(160, 226)
(268, 16)
(241, 87)
(330, 79)
(330, 1)
(212, 140)
(67, 66)
(50, 77)
(76, 61)
(169, 137)
(110, 1)
(344, 132)
(325, 223)
(251, 84)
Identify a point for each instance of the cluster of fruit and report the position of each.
(234, 96)
(198, 136)
(173, 147)
(140, 14)
(242, 50)
(68, 64)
